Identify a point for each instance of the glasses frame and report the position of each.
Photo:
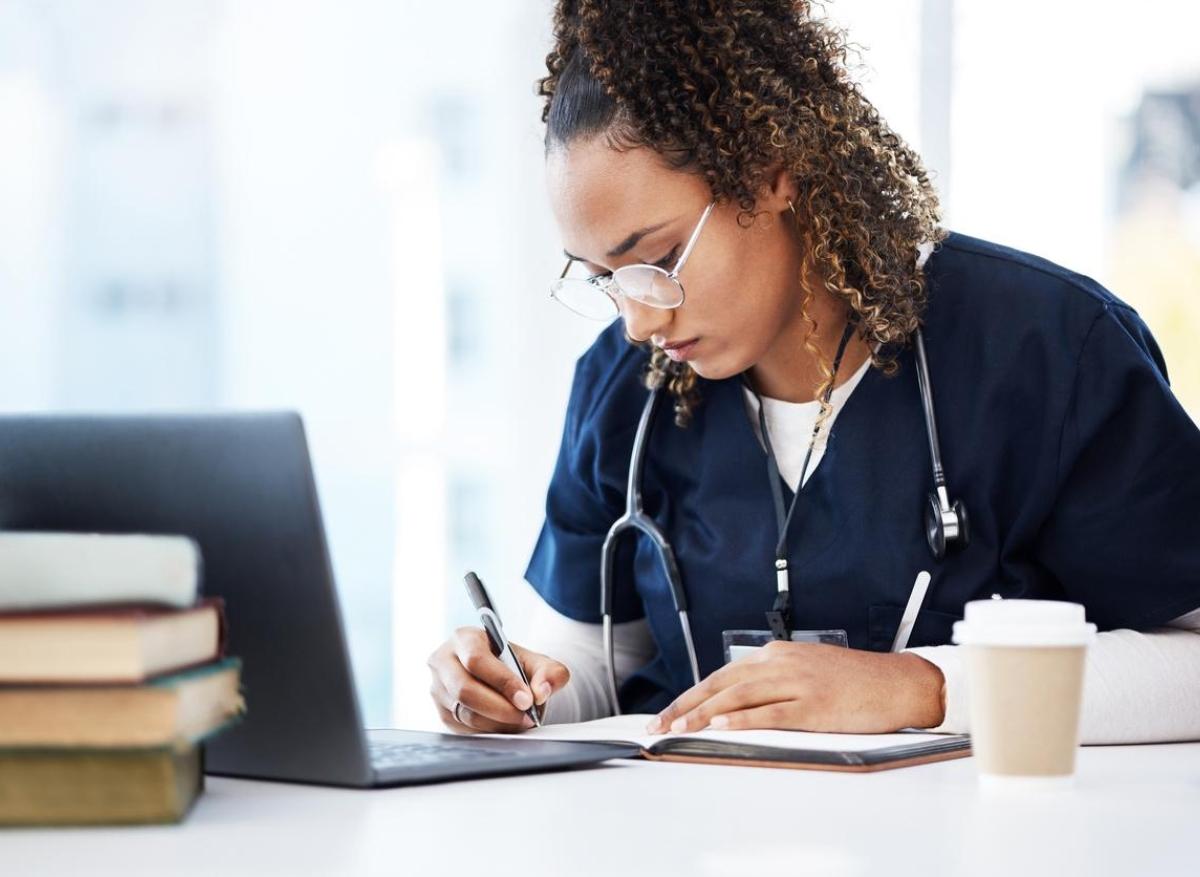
(606, 282)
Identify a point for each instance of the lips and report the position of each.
(675, 345)
(680, 351)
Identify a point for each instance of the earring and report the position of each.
(791, 206)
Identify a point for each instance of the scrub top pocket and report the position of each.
(932, 628)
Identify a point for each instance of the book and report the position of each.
(763, 748)
(43, 570)
(93, 787)
(175, 710)
(128, 644)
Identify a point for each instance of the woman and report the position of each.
(797, 253)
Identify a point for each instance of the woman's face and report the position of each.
(742, 285)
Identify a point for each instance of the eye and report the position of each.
(667, 262)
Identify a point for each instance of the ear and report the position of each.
(778, 191)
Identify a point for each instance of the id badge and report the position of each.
(743, 643)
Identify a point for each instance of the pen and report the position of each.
(496, 638)
(915, 599)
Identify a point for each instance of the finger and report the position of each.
(463, 687)
(546, 675)
(445, 710)
(475, 723)
(445, 707)
(739, 696)
(471, 647)
(450, 685)
(717, 681)
(471, 722)
(781, 716)
(485, 726)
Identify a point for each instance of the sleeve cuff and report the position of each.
(949, 659)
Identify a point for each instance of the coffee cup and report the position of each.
(1025, 665)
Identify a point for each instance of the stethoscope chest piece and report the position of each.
(946, 524)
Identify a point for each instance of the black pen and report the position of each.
(496, 638)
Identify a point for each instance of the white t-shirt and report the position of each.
(790, 426)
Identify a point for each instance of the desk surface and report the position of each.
(1135, 810)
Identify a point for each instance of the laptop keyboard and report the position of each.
(392, 755)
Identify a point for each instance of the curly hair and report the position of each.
(734, 91)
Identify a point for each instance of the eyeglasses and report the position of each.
(598, 297)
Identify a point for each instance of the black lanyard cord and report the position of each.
(779, 618)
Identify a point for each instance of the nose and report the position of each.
(642, 322)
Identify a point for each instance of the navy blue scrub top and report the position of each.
(1079, 469)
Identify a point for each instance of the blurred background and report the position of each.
(337, 207)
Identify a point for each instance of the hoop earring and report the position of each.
(791, 206)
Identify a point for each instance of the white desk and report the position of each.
(1135, 810)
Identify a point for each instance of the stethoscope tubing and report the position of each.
(635, 519)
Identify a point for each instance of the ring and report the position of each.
(454, 711)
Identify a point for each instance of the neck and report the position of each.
(790, 372)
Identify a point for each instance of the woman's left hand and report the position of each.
(812, 687)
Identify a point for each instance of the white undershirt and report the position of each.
(1138, 688)
(790, 426)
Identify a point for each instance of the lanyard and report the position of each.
(779, 617)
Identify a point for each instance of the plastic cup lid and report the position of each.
(1023, 623)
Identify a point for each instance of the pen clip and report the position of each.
(495, 630)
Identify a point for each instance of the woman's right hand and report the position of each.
(490, 697)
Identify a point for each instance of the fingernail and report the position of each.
(655, 726)
(544, 690)
(719, 722)
(527, 722)
(678, 725)
(522, 700)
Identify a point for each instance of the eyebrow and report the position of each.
(626, 245)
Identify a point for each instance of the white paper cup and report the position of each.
(1025, 661)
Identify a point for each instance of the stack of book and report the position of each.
(112, 673)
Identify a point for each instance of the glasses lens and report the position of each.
(649, 285)
(585, 299)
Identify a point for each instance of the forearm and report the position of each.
(580, 647)
(1138, 687)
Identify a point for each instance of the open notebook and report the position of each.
(795, 749)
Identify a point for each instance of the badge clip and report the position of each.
(779, 617)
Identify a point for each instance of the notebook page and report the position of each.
(629, 728)
(632, 728)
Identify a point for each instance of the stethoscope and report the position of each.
(946, 523)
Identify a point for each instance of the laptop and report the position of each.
(242, 486)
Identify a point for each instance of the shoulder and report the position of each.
(997, 278)
(984, 293)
